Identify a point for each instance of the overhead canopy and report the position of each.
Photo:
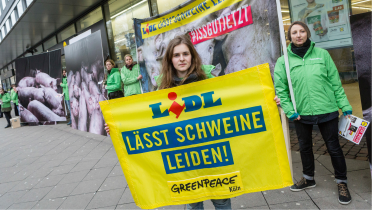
(42, 18)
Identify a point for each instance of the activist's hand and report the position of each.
(60, 84)
(139, 77)
(277, 100)
(347, 114)
(298, 118)
(107, 129)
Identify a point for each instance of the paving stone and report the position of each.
(91, 186)
(26, 184)
(107, 207)
(366, 197)
(9, 198)
(77, 201)
(74, 177)
(50, 181)
(49, 203)
(127, 206)
(105, 198)
(35, 194)
(64, 169)
(5, 187)
(352, 165)
(331, 202)
(249, 200)
(114, 182)
(284, 195)
(25, 205)
(84, 165)
(127, 197)
(61, 190)
(360, 181)
(116, 171)
(98, 173)
(305, 204)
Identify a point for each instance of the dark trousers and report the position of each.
(1, 114)
(16, 110)
(329, 131)
(8, 117)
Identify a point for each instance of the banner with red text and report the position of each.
(231, 35)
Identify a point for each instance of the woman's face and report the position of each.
(181, 58)
(109, 66)
(298, 35)
(128, 60)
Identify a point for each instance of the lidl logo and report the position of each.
(191, 103)
(149, 29)
(341, 29)
(364, 123)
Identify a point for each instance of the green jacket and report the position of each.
(316, 83)
(64, 86)
(14, 97)
(113, 81)
(5, 98)
(131, 84)
(206, 68)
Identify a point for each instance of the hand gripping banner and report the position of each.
(213, 139)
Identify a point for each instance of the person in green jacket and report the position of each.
(6, 107)
(14, 98)
(130, 75)
(64, 86)
(113, 82)
(319, 95)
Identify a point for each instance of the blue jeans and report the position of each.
(68, 107)
(218, 204)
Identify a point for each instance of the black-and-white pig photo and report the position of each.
(39, 93)
(85, 70)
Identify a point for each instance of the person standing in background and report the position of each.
(130, 75)
(14, 98)
(64, 85)
(319, 95)
(6, 107)
(113, 82)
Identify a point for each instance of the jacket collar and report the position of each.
(289, 49)
(113, 70)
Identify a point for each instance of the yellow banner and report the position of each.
(213, 139)
(183, 16)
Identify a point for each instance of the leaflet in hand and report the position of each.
(352, 128)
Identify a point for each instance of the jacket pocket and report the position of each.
(330, 98)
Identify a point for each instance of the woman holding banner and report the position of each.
(183, 65)
(130, 75)
(319, 95)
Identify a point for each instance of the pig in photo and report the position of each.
(84, 59)
(36, 85)
(47, 81)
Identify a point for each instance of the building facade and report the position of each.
(31, 27)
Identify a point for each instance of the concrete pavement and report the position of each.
(56, 167)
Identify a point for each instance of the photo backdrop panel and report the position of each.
(232, 36)
(39, 92)
(85, 73)
(361, 31)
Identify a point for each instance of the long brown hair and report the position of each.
(168, 71)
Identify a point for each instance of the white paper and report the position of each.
(352, 128)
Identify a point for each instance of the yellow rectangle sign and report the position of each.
(213, 139)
